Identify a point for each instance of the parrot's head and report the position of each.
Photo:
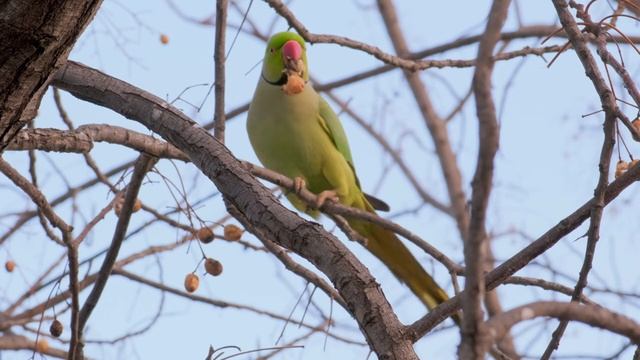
(285, 55)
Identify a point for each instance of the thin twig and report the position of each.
(220, 58)
(144, 163)
(609, 106)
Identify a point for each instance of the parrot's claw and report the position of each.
(326, 195)
(299, 184)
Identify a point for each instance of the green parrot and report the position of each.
(294, 131)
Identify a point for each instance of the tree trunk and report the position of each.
(36, 37)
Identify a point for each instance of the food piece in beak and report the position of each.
(294, 67)
(295, 84)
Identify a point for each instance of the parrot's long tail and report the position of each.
(386, 246)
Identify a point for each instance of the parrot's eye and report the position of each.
(272, 50)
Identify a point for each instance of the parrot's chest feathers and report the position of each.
(297, 111)
(285, 132)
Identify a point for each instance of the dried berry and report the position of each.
(633, 163)
(164, 39)
(621, 167)
(191, 282)
(213, 267)
(42, 345)
(56, 328)
(117, 206)
(232, 232)
(10, 265)
(636, 124)
(137, 205)
(205, 235)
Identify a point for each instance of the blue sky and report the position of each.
(546, 167)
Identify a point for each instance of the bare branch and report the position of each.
(610, 109)
(498, 275)
(36, 196)
(144, 163)
(219, 58)
(261, 212)
(595, 316)
(475, 249)
(436, 125)
(81, 140)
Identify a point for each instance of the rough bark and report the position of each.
(35, 40)
(255, 207)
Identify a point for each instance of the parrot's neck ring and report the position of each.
(281, 81)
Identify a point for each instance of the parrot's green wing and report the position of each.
(331, 124)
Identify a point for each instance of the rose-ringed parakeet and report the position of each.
(294, 131)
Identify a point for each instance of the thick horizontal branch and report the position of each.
(261, 212)
(81, 140)
(19, 342)
(592, 315)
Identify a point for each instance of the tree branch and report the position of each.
(259, 209)
(498, 275)
(142, 166)
(219, 58)
(35, 40)
(81, 140)
(595, 316)
(475, 247)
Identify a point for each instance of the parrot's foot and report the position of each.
(299, 184)
(326, 195)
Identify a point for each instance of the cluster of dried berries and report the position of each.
(622, 166)
(231, 233)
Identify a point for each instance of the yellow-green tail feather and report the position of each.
(386, 246)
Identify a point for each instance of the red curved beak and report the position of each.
(292, 50)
